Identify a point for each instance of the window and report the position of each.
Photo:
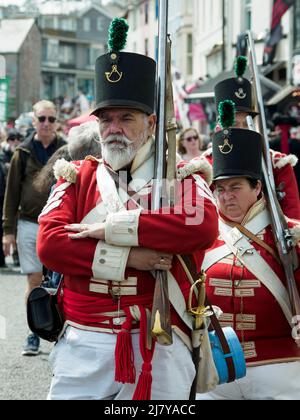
(146, 47)
(67, 24)
(156, 9)
(156, 47)
(66, 54)
(92, 54)
(86, 24)
(214, 62)
(50, 50)
(297, 26)
(146, 13)
(100, 24)
(190, 54)
(248, 14)
(134, 19)
(48, 22)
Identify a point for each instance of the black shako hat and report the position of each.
(237, 153)
(124, 80)
(238, 89)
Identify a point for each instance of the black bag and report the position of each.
(43, 314)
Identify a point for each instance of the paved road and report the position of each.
(21, 378)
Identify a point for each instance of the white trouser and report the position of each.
(83, 365)
(269, 382)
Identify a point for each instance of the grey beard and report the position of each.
(118, 157)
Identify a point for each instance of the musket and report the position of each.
(261, 120)
(161, 315)
(281, 231)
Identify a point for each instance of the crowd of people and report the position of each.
(69, 212)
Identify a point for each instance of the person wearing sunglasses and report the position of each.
(23, 203)
(190, 144)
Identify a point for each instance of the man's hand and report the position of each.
(9, 244)
(147, 260)
(96, 231)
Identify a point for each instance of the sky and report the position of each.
(20, 2)
(8, 2)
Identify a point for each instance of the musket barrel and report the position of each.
(161, 318)
(261, 108)
(160, 164)
(285, 250)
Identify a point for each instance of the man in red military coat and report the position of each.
(245, 277)
(107, 243)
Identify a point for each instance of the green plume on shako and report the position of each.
(227, 111)
(240, 66)
(118, 31)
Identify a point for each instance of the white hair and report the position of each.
(41, 105)
(84, 140)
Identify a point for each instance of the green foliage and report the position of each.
(227, 111)
(117, 35)
(240, 66)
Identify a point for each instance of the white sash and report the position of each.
(250, 258)
(256, 225)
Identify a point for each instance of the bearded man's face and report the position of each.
(123, 132)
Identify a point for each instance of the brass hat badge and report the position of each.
(114, 76)
(241, 94)
(226, 148)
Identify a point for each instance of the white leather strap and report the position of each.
(256, 225)
(251, 259)
(178, 302)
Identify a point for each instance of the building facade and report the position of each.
(143, 34)
(71, 42)
(22, 53)
(220, 22)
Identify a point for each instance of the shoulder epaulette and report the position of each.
(196, 165)
(66, 170)
(281, 160)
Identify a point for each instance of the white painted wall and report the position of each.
(203, 18)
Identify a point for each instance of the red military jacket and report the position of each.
(94, 269)
(247, 304)
(285, 181)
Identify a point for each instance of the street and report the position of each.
(21, 378)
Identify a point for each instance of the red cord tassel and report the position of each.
(143, 389)
(124, 355)
(144, 385)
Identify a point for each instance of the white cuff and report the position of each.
(122, 228)
(110, 262)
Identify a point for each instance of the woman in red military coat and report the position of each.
(245, 277)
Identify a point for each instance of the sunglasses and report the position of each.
(42, 119)
(189, 139)
(13, 138)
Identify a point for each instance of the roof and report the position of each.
(54, 8)
(70, 8)
(13, 32)
(282, 94)
(99, 9)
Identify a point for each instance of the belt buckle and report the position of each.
(115, 292)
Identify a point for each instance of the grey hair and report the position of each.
(84, 140)
(41, 105)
